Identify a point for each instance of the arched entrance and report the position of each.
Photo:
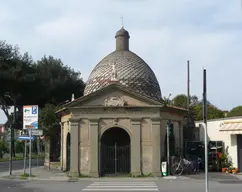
(68, 152)
(115, 152)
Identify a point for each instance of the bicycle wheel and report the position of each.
(176, 169)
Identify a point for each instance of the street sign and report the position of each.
(37, 132)
(30, 116)
(25, 138)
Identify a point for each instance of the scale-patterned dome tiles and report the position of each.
(132, 72)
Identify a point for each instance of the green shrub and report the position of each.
(19, 147)
(3, 148)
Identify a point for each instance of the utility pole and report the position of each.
(188, 86)
(189, 130)
(205, 126)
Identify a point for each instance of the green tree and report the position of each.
(29, 83)
(236, 111)
(180, 101)
(196, 107)
(47, 81)
(3, 148)
(212, 112)
(48, 120)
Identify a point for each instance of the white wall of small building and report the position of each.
(230, 141)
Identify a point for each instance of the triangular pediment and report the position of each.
(113, 95)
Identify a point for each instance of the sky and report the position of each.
(164, 33)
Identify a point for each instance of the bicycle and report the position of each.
(178, 167)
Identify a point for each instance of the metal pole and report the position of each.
(30, 151)
(168, 148)
(10, 152)
(11, 139)
(205, 127)
(206, 156)
(25, 154)
(37, 151)
(188, 86)
(115, 154)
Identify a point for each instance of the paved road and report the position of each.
(13, 186)
(162, 185)
(4, 166)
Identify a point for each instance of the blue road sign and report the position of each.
(25, 138)
(34, 109)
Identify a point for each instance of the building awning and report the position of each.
(232, 128)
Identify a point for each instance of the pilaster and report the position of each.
(135, 147)
(94, 143)
(62, 146)
(156, 155)
(74, 130)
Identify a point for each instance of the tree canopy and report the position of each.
(196, 107)
(236, 111)
(46, 82)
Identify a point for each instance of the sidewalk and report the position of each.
(215, 176)
(39, 173)
(44, 174)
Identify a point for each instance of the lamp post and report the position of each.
(11, 134)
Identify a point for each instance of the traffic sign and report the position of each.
(30, 117)
(37, 132)
(25, 138)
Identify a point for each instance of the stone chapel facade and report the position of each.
(119, 125)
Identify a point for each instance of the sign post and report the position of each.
(25, 154)
(30, 152)
(30, 122)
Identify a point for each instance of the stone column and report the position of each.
(94, 143)
(156, 137)
(135, 147)
(74, 130)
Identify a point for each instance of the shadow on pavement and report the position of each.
(215, 176)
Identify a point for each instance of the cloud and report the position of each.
(164, 33)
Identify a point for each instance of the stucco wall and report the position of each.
(214, 134)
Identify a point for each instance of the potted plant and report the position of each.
(234, 170)
(224, 162)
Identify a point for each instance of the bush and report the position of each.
(3, 148)
(19, 147)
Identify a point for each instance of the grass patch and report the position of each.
(26, 176)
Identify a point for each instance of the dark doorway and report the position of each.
(239, 143)
(115, 152)
(68, 152)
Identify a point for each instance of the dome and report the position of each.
(126, 68)
(122, 32)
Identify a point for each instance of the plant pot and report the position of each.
(234, 171)
(224, 169)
